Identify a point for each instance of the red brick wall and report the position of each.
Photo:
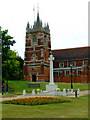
(85, 76)
(42, 69)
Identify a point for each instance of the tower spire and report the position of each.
(38, 12)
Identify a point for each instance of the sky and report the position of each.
(67, 19)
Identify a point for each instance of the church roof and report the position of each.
(71, 53)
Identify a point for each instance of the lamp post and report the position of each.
(71, 65)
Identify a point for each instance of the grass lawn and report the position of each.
(78, 108)
(20, 85)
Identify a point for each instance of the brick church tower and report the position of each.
(37, 52)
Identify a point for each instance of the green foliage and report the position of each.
(6, 43)
(12, 63)
(71, 74)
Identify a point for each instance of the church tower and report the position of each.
(37, 51)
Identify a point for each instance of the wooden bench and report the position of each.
(34, 85)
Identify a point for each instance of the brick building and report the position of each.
(38, 49)
(78, 58)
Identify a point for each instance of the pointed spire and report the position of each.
(47, 26)
(38, 13)
(28, 25)
(38, 18)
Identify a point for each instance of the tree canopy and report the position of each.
(6, 43)
(12, 63)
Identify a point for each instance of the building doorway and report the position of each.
(33, 78)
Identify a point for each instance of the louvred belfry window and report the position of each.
(34, 38)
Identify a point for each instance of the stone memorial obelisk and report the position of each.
(51, 69)
(52, 86)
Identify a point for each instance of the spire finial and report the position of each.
(34, 13)
(37, 8)
(38, 13)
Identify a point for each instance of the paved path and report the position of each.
(82, 93)
(21, 96)
(86, 92)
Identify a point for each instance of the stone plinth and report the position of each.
(51, 87)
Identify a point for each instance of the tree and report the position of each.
(21, 67)
(6, 43)
(12, 63)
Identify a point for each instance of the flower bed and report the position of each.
(35, 101)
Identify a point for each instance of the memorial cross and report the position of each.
(51, 69)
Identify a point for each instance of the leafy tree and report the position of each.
(6, 43)
(12, 63)
(21, 67)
